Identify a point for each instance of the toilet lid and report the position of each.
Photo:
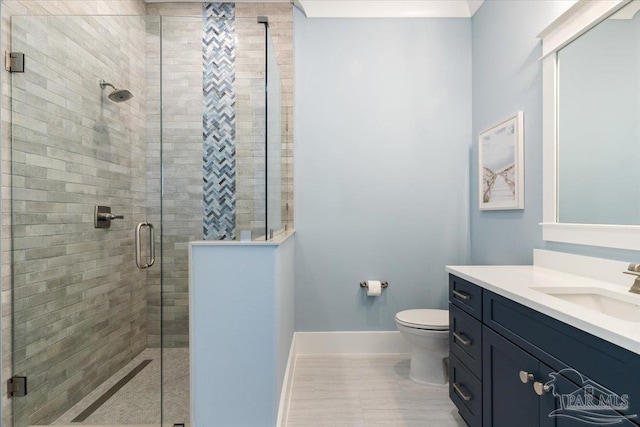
(424, 319)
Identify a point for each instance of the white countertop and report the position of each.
(515, 283)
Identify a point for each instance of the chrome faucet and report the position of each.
(634, 270)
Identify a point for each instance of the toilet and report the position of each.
(428, 333)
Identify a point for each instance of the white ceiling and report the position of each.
(374, 8)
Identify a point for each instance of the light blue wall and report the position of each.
(507, 77)
(241, 308)
(383, 132)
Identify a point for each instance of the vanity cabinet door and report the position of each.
(561, 346)
(507, 401)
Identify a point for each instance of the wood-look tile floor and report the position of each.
(365, 391)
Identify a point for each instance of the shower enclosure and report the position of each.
(122, 125)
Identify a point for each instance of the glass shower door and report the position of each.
(275, 211)
(80, 314)
(178, 157)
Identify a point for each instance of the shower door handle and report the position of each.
(152, 246)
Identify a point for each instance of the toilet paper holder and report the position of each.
(384, 284)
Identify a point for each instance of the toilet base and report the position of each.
(429, 347)
(428, 368)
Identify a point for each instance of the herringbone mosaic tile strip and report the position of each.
(219, 132)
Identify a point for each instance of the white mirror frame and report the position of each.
(579, 19)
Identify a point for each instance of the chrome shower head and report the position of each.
(118, 95)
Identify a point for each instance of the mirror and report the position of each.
(589, 98)
(598, 123)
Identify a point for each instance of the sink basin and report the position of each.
(621, 305)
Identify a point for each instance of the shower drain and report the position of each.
(117, 386)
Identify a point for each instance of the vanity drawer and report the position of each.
(465, 390)
(465, 339)
(466, 295)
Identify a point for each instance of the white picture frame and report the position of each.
(501, 165)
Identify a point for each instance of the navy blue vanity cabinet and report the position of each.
(465, 349)
(522, 351)
(509, 390)
(561, 346)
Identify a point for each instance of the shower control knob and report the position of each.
(110, 216)
(102, 217)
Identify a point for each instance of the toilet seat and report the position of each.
(434, 320)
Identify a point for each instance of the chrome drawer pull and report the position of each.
(461, 295)
(458, 390)
(462, 339)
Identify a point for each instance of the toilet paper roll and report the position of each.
(374, 288)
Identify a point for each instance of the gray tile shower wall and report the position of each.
(79, 303)
(132, 133)
(182, 145)
(181, 138)
(249, 83)
(250, 75)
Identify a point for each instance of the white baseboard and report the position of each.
(285, 394)
(357, 342)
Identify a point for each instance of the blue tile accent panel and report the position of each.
(219, 128)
